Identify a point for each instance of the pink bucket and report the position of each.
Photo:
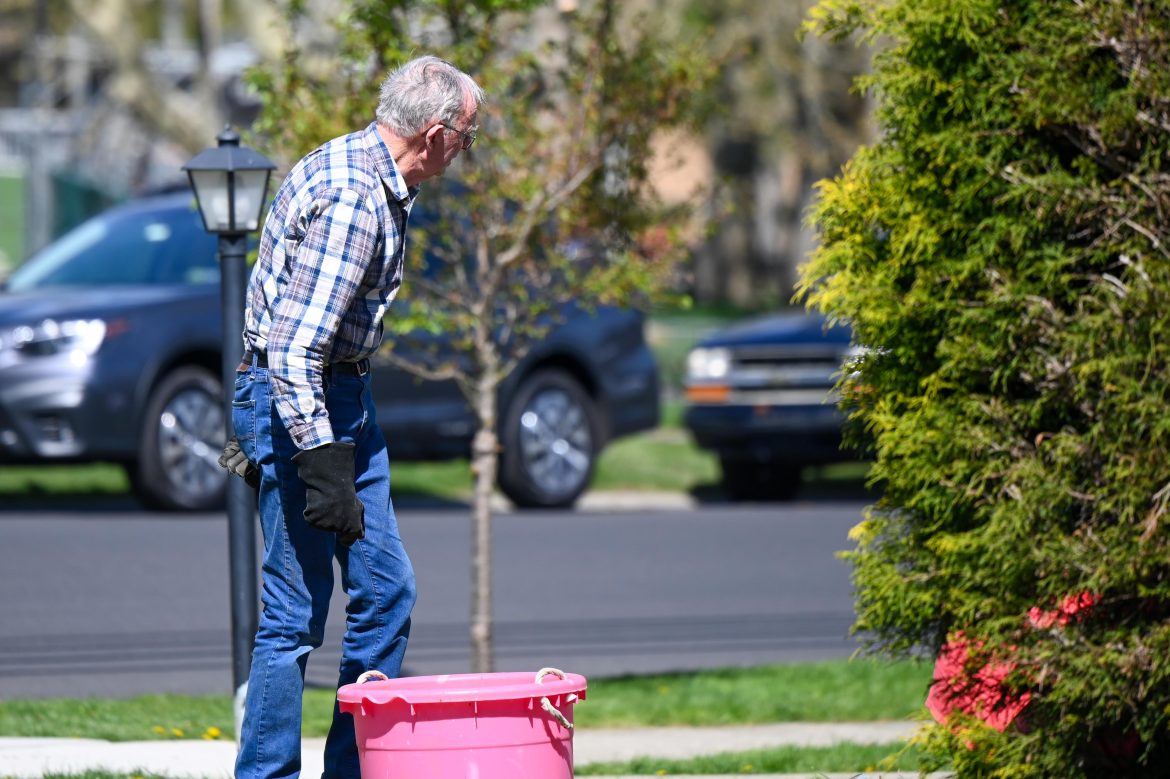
(465, 726)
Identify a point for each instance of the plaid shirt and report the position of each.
(331, 258)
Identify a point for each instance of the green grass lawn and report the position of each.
(833, 691)
(662, 459)
(47, 481)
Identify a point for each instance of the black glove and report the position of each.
(331, 501)
(235, 461)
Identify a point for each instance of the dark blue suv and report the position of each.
(110, 345)
(760, 394)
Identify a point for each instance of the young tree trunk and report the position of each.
(484, 449)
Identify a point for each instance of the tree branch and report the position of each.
(542, 205)
(445, 373)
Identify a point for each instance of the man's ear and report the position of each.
(430, 137)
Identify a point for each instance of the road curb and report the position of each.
(630, 500)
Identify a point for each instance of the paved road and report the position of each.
(115, 601)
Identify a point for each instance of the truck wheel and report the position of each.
(550, 441)
(182, 436)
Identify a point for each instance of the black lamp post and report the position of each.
(231, 183)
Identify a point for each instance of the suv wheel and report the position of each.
(747, 479)
(550, 441)
(182, 436)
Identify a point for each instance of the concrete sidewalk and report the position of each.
(32, 758)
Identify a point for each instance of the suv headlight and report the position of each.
(80, 337)
(704, 364)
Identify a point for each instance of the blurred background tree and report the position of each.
(104, 99)
(784, 118)
(179, 88)
(111, 96)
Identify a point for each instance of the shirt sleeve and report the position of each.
(340, 236)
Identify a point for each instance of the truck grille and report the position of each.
(800, 374)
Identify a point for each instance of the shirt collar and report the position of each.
(387, 169)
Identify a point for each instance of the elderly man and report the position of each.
(331, 258)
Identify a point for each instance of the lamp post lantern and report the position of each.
(230, 184)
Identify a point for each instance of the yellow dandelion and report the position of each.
(212, 733)
(746, 768)
(177, 733)
(159, 729)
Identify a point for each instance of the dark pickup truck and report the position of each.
(761, 395)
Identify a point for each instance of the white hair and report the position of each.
(422, 91)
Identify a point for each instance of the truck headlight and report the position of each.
(705, 364)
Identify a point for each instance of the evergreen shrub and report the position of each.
(1002, 252)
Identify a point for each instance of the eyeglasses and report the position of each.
(468, 138)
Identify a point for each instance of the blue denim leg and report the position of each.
(378, 578)
(297, 579)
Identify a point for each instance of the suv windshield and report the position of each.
(166, 245)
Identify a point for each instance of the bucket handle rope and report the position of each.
(368, 675)
(544, 701)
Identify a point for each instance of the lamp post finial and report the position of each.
(228, 137)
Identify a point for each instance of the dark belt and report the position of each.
(260, 360)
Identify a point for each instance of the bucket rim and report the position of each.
(461, 688)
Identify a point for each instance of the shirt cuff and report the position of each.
(312, 435)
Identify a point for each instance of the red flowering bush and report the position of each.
(1068, 610)
(978, 692)
(980, 689)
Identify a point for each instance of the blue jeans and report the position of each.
(297, 578)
